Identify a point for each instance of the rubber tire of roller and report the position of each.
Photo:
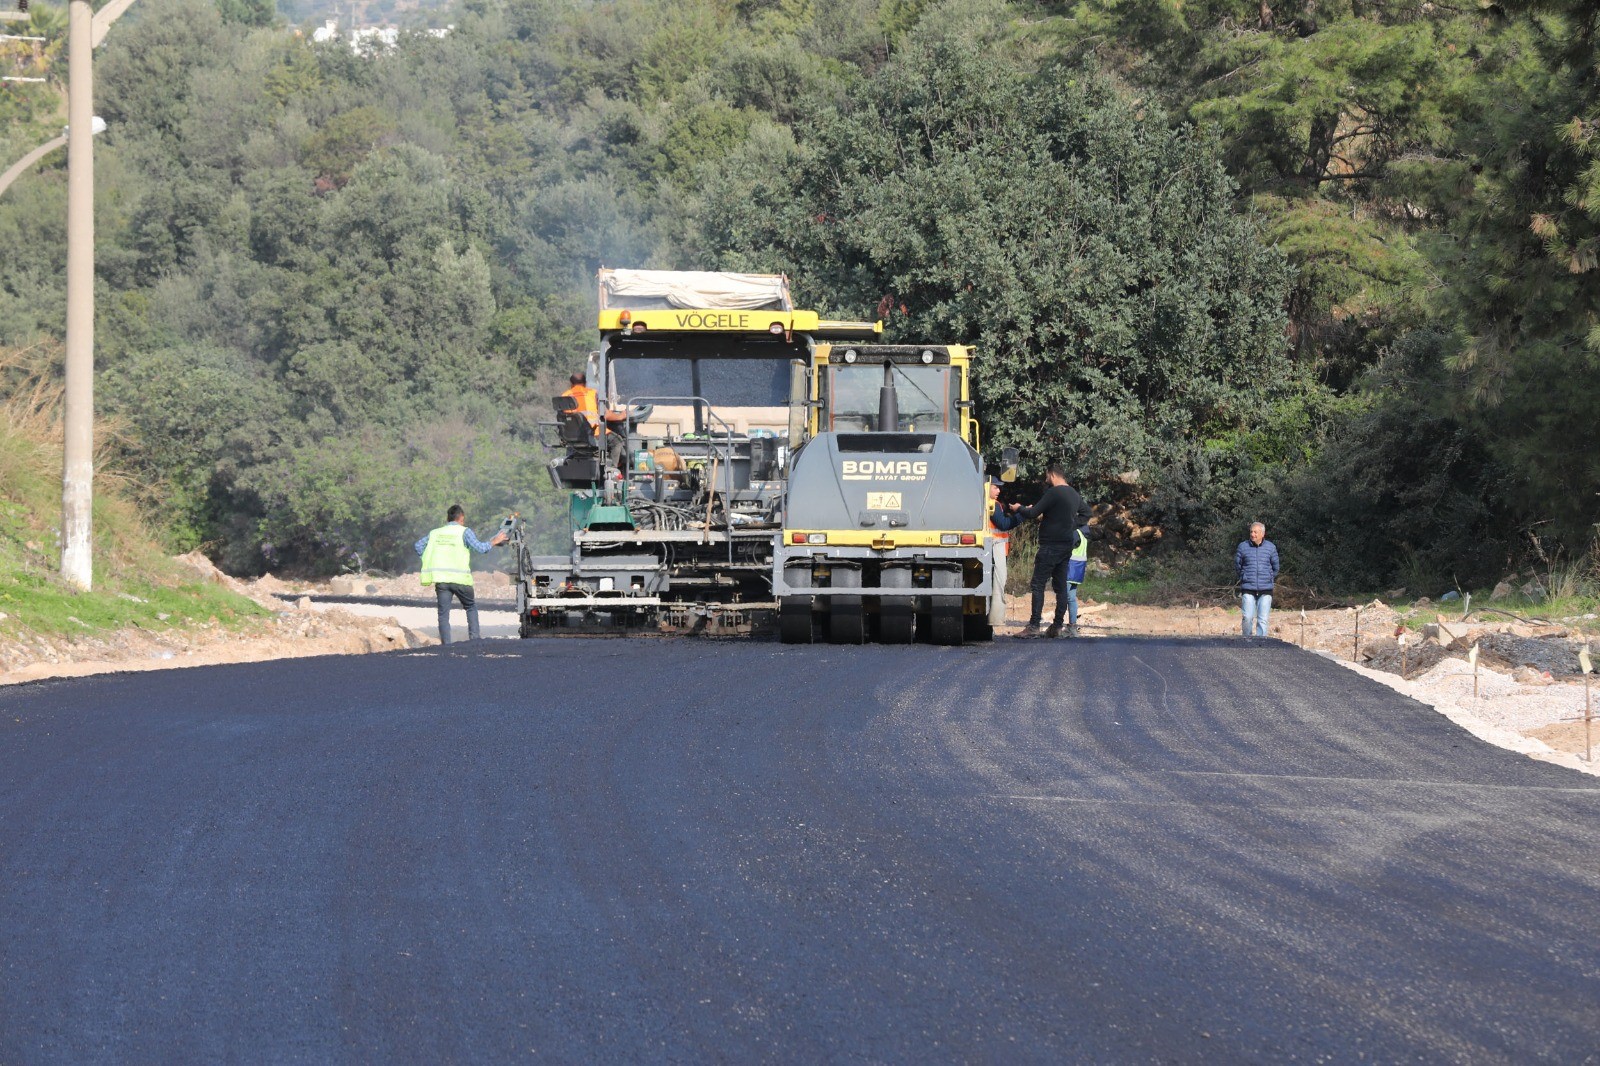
(795, 624)
(847, 622)
(975, 628)
(897, 616)
(944, 621)
(944, 611)
(897, 621)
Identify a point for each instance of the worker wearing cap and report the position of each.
(1002, 521)
(447, 566)
(588, 405)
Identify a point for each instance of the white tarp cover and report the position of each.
(696, 289)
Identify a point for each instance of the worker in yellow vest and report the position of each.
(447, 566)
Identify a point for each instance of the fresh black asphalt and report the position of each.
(596, 850)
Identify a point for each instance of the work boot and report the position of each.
(1072, 631)
(1030, 630)
(1054, 631)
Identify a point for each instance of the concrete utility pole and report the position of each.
(85, 31)
(77, 478)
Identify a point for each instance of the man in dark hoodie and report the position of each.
(1062, 514)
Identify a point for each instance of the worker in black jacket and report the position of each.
(1063, 514)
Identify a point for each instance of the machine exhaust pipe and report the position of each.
(888, 402)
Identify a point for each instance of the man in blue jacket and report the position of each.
(1256, 562)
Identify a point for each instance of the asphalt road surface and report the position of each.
(1112, 850)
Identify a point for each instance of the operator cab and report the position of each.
(930, 384)
(704, 387)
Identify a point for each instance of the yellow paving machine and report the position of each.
(750, 460)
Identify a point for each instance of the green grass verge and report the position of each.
(1563, 610)
(39, 604)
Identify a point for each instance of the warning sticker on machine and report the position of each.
(883, 501)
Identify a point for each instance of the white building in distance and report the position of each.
(381, 38)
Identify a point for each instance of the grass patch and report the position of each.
(1567, 610)
(39, 604)
(135, 583)
(1136, 582)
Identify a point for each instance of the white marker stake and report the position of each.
(1402, 639)
(1472, 657)
(1302, 627)
(1588, 716)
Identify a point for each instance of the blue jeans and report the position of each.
(446, 591)
(1257, 606)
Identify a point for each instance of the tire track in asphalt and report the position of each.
(688, 849)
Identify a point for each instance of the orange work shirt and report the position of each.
(588, 407)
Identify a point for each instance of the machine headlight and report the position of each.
(927, 357)
(949, 538)
(816, 538)
(849, 355)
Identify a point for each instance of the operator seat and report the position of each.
(574, 429)
(580, 468)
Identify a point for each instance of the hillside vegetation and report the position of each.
(136, 583)
(1328, 264)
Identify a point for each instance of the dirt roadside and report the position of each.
(297, 627)
(1528, 696)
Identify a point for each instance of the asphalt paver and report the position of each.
(1116, 850)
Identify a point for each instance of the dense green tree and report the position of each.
(1398, 492)
(1519, 251)
(1332, 259)
(248, 12)
(1125, 311)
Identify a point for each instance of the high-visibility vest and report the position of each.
(588, 404)
(1001, 535)
(446, 558)
(1078, 561)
